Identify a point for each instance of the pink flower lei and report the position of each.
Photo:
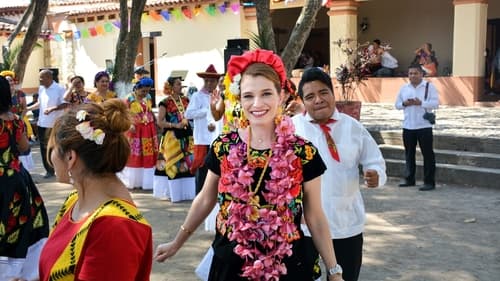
(263, 233)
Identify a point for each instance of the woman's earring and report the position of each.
(71, 181)
(243, 121)
(279, 115)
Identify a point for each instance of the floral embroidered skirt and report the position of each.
(23, 217)
(143, 146)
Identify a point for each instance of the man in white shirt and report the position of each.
(199, 110)
(50, 95)
(415, 99)
(347, 145)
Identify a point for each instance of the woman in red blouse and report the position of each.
(99, 234)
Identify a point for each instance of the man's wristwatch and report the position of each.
(337, 269)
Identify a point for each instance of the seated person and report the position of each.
(375, 57)
(426, 57)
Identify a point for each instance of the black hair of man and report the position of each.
(315, 74)
(417, 67)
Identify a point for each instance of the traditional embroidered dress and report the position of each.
(78, 98)
(233, 242)
(172, 176)
(23, 218)
(112, 243)
(18, 107)
(96, 98)
(143, 141)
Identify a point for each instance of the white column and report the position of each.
(343, 25)
(469, 37)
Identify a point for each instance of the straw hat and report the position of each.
(210, 73)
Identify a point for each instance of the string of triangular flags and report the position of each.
(167, 15)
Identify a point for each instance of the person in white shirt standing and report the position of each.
(343, 144)
(416, 99)
(50, 96)
(199, 110)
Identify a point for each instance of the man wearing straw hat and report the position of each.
(197, 110)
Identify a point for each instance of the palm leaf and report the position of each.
(11, 60)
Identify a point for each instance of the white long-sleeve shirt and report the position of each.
(340, 189)
(413, 114)
(50, 97)
(198, 110)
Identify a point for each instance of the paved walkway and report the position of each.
(446, 234)
(450, 120)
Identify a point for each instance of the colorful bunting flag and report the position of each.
(108, 27)
(117, 24)
(177, 14)
(235, 7)
(100, 29)
(58, 38)
(165, 15)
(77, 35)
(197, 10)
(154, 15)
(93, 31)
(85, 33)
(222, 8)
(144, 16)
(211, 10)
(187, 12)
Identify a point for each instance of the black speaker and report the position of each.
(228, 52)
(243, 44)
(55, 73)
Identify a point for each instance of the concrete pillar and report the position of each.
(343, 25)
(469, 37)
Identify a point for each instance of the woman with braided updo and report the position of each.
(98, 234)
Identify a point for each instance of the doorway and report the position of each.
(492, 56)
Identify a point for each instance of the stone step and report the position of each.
(448, 173)
(445, 142)
(444, 156)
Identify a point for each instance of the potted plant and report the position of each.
(350, 75)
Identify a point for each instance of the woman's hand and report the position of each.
(165, 251)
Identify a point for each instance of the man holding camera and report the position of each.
(417, 99)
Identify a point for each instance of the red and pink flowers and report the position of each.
(264, 226)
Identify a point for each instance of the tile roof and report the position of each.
(84, 7)
(76, 8)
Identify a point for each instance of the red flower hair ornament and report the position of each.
(237, 65)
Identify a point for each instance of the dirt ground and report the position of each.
(452, 233)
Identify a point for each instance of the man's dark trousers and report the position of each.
(425, 140)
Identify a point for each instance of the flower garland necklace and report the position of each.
(263, 233)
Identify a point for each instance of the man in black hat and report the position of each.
(140, 72)
(198, 110)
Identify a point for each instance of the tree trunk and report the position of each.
(300, 33)
(19, 26)
(265, 24)
(126, 47)
(31, 37)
